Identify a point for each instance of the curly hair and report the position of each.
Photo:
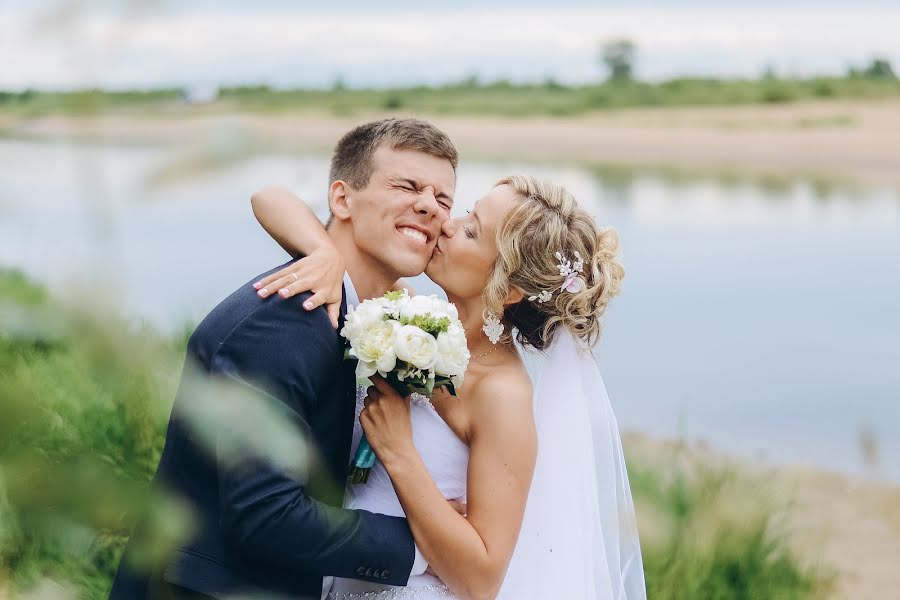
(546, 220)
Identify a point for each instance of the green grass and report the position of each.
(709, 533)
(84, 404)
(85, 400)
(468, 97)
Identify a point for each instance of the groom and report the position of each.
(260, 530)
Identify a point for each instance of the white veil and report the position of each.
(579, 537)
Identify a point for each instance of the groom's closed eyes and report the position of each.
(414, 186)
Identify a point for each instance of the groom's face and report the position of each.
(397, 217)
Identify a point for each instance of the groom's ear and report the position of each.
(338, 200)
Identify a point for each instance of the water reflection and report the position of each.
(758, 315)
(773, 186)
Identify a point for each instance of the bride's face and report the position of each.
(467, 248)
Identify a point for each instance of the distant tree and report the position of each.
(552, 84)
(879, 68)
(470, 82)
(618, 56)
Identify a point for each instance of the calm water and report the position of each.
(764, 319)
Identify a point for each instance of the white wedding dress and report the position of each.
(447, 460)
(579, 537)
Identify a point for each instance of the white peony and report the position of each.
(392, 307)
(359, 320)
(375, 348)
(452, 352)
(415, 346)
(427, 305)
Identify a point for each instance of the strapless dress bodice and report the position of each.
(446, 458)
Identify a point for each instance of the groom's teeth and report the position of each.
(414, 234)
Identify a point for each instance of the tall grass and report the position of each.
(84, 404)
(708, 532)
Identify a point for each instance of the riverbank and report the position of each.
(845, 527)
(841, 141)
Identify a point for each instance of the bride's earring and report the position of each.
(493, 328)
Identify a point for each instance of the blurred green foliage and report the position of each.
(84, 401)
(708, 532)
(472, 97)
(89, 101)
(85, 398)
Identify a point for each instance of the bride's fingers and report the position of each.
(292, 288)
(315, 301)
(381, 385)
(320, 298)
(371, 396)
(334, 313)
(265, 281)
(271, 285)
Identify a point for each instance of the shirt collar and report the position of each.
(350, 292)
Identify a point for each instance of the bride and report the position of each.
(536, 458)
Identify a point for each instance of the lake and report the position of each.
(760, 316)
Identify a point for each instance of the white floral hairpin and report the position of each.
(570, 272)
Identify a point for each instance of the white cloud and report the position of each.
(525, 43)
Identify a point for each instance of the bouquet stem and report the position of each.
(362, 463)
(359, 475)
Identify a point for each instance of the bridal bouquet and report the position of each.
(417, 344)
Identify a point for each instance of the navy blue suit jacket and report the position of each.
(259, 529)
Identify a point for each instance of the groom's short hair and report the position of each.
(352, 158)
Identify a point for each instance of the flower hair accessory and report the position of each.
(570, 272)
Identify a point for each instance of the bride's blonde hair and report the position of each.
(546, 220)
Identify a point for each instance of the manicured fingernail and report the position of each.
(257, 284)
(307, 305)
(262, 293)
(283, 292)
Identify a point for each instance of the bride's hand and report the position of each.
(322, 273)
(386, 422)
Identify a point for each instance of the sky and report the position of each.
(63, 44)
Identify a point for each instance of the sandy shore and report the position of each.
(853, 141)
(849, 527)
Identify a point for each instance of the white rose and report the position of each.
(452, 352)
(416, 347)
(375, 348)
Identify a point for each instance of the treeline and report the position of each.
(470, 96)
